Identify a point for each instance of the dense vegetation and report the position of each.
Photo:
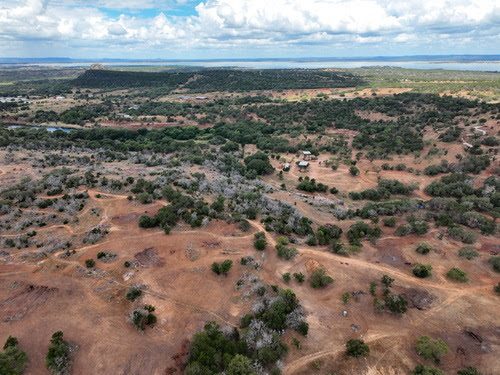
(13, 360)
(217, 79)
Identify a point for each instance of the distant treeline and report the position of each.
(218, 79)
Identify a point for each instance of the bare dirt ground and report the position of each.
(89, 306)
(40, 295)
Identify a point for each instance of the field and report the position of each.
(122, 214)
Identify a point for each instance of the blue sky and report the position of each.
(247, 28)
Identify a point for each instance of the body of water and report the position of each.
(471, 65)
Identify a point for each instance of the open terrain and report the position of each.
(342, 178)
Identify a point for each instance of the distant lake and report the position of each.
(472, 65)
(50, 129)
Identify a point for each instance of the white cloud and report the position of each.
(247, 23)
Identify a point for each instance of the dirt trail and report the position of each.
(374, 266)
(292, 367)
(451, 294)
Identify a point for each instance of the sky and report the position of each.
(188, 29)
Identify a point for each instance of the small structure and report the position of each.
(303, 165)
(286, 167)
(306, 155)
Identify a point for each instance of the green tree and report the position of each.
(432, 349)
(240, 365)
(469, 371)
(58, 358)
(319, 278)
(12, 360)
(357, 348)
(426, 370)
(456, 274)
(422, 270)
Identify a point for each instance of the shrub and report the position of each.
(431, 349)
(143, 317)
(396, 303)
(12, 360)
(286, 277)
(456, 274)
(468, 371)
(390, 222)
(461, 234)
(346, 296)
(299, 277)
(284, 251)
(146, 221)
(360, 230)
(133, 293)
(496, 288)
(240, 365)
(426, 370)
(495, 263)
(259, 163)
(302, 328)
(354, 171)
(423, 248)
(327, 233)
(357, 348)
(319, 279)
(311, 186)
(58, 359)
(422, 270)
(468, 253)
(260, 241)
(339, 248)
(89, 263)
(223, 267)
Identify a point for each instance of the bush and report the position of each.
(286, 277)
(468, 371)
(423, 248)
(319, 279)
(357, 348)
(460, 234)
(422, 270)
(302, 328)
(456, 274)
(90, 263)
(133, 293)
(299, 277)
(327, 233)
(260, 242)
(396, 304)
(223, 267)
(361, 230)
(240, 365)
(58, 359)
(426, 370)
(390, 222)
(495, 263)
(143, 317)
(354, 171)
(431, 349)
(208, 347)
(468, 253)
(259, 162)
(12, 360)
(311, 186)
(284, 251)
(146, 221)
